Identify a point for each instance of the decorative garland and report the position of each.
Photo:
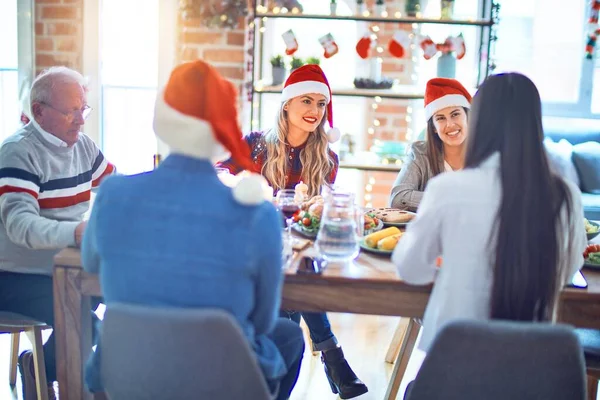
(594, 29)
(215, 13)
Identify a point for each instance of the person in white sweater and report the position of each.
(510, 233)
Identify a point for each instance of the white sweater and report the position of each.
(454, 221)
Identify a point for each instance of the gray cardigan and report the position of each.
(410, 183)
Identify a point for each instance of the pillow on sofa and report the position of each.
(560, 159)
(586, 157)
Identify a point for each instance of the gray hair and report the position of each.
(44, 83)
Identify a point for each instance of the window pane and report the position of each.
(8, 33)
(129, 42)
(596, 88)
(9, 90)
(129, 76)
(543, 39)
(9, 104)
(130, 142)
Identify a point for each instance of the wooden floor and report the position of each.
(364, 338)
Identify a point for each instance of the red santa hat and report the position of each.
(196, 115)
(311, 79)
(444, 92)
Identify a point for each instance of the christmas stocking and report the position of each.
(329, 44)
(399, 44)
(291, 44)
(458, 45)
(429, 48)
(363, 47)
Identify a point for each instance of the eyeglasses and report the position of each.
(71, 115)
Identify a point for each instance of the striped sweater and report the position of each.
(44, 192)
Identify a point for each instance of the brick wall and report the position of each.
(222, 48)
(58, 33)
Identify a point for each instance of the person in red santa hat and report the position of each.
(178, 237)
(447, 105)
(297, 150)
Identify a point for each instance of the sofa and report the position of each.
(575, 155)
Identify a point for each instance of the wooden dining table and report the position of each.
(368, 285)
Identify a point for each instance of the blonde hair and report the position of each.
(316, 163)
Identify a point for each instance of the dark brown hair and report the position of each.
(506, 118)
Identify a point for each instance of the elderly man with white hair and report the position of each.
(47, 170)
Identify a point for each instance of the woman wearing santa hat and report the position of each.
(508, 229)
(178, 237)
(446, 109)
(297, 149)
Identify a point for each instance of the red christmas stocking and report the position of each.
(429, 48)
(363, 47)
(329, 44)
(458, 45)
(291, 44)
(399, 44)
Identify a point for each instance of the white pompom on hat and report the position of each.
(307, 79)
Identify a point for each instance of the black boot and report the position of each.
(341, 377)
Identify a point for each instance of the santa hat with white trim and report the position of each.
(444, 92)
(311, 79)
(196, 115)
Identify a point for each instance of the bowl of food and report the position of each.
(592, 229)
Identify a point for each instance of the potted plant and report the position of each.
(278, 69)
(313, 60)
(447, 9)
(360, 7)
(379, 7)
(296, 63)
(412, 7)
(333, 7)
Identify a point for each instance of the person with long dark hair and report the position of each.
(509, 232)
(446, 109)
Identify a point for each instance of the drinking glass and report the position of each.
(288, 207)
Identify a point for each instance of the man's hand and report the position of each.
(79, 232)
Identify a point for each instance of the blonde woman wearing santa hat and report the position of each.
(178, 237)
(297, 149)
(446, 109)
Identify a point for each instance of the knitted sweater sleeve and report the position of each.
(266, 228)
(19, 207)
(89, 250)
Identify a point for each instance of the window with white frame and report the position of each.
(128, 82)
(545, 40)
(129, 51)
(10, 107)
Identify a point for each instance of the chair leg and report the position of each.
(35, 336)
(14, 358)
(397, 339)
(592, 387)
(401, 363)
